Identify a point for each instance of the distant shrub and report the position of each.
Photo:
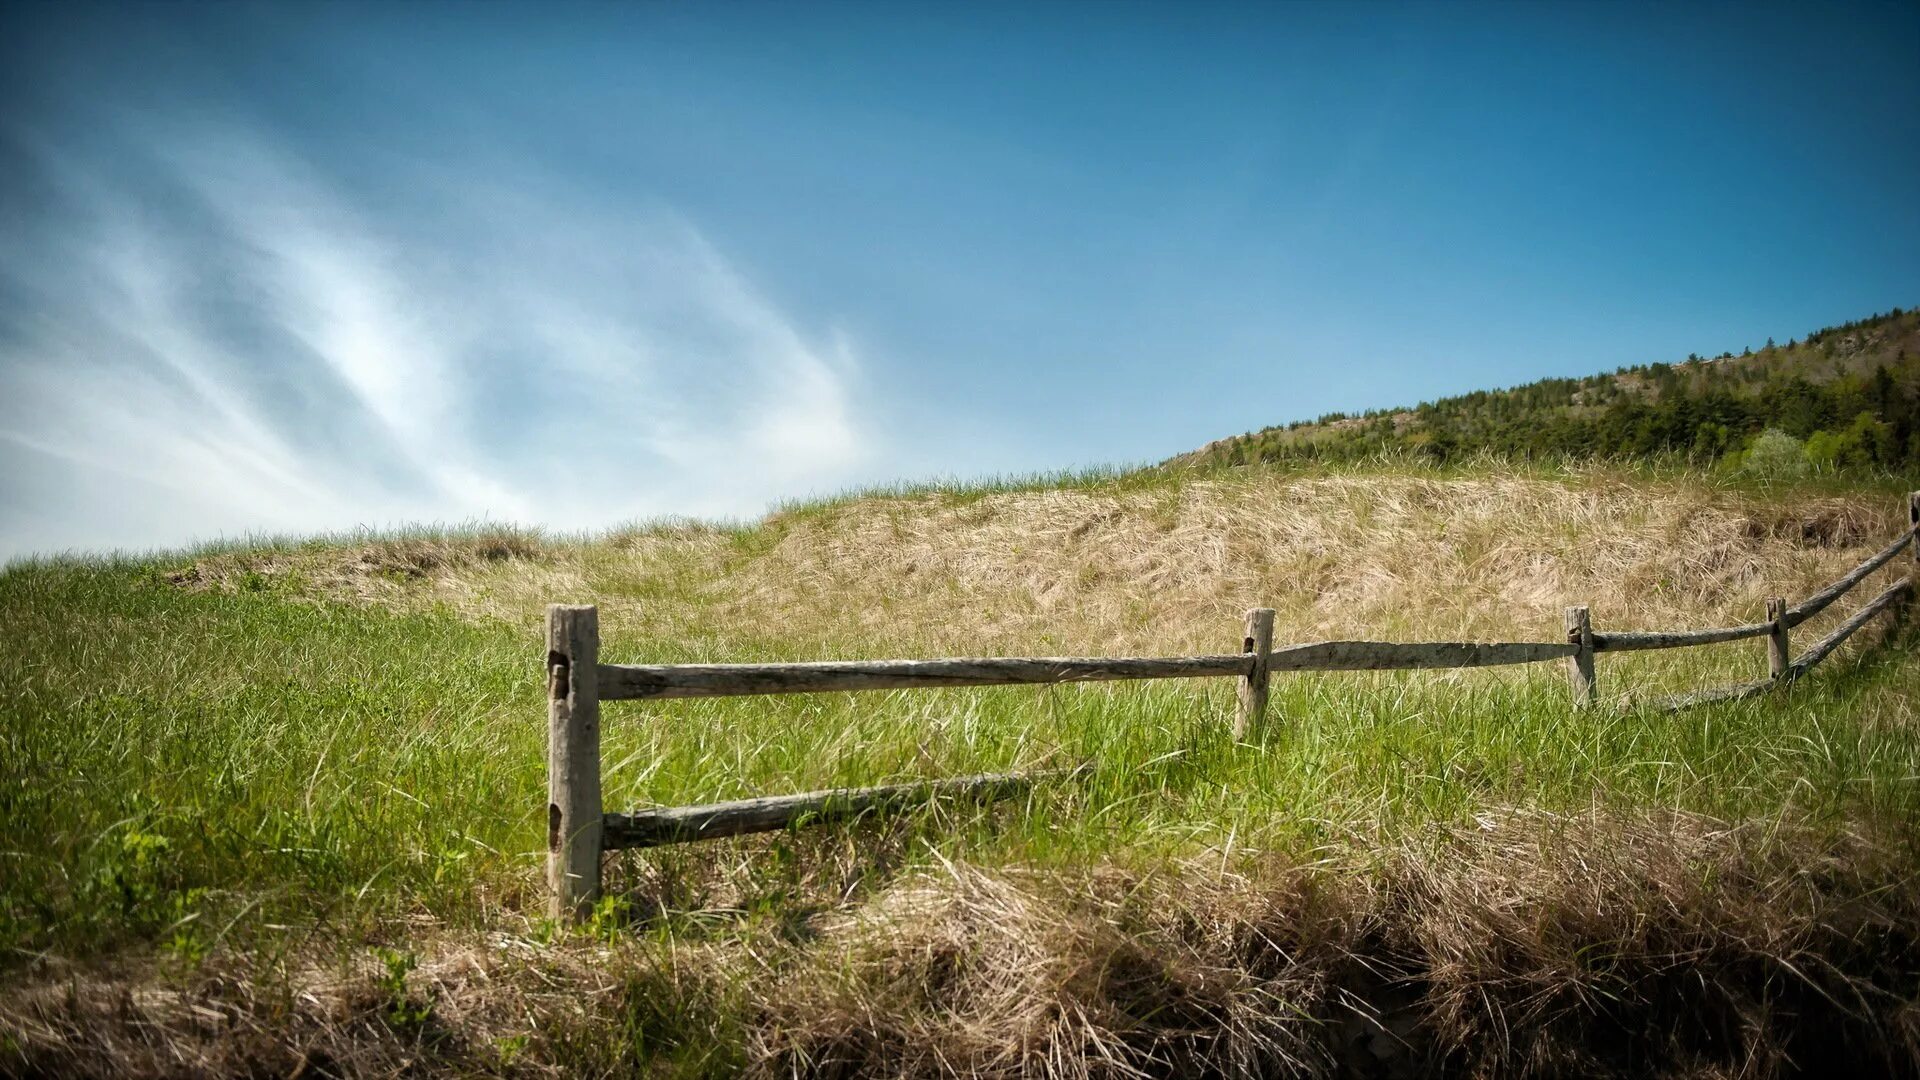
(1865, 443)
(1775, 455)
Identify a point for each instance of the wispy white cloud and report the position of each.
(201, 335)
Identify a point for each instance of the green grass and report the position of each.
(1648, 469)
(973, 488)
(246, 763)
(272, 760)
(182, 767)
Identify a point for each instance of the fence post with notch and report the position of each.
(1580, 664)
(574, 815)
(1254, 686)
(1913, 528)
(1779, 660)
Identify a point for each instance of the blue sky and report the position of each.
(291, 268)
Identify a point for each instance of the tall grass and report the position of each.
(243, 751)
(206, 762)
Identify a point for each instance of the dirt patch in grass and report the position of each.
(1829, 523)
(376, 570)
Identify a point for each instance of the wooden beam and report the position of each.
(1913, 526)
(1820, 651)
(1818, 602)
(1913, 536)
(662, 681)
(573, 759)
(1778, 657)
(658, 681)
(1631, 640)
(683, 824)
(1580, 663)
(1412, 655)
(1822, 648)
(1254, 685)
(1719, 693)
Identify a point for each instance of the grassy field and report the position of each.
(279, 807)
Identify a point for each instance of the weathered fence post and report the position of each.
(1255, 683)
(1776, 638)
(1580, 664)
(1777, 656)
(574, 819)
(1907, 603)
(1913, 526)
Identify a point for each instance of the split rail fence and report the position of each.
(579, 831)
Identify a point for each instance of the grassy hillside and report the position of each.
(279, 808)
(1845, 399)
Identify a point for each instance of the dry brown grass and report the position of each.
(1527, 944)
(1534, 945)
(1164, 568)
(374, 569)
(1169, 568)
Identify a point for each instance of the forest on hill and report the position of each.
(1845, 398)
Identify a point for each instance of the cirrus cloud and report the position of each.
(203, 335)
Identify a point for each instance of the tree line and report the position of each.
(1848, 397)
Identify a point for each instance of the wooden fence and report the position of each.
(579, 831)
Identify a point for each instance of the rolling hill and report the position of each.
(1848, 397)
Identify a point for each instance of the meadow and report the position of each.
(279, 806)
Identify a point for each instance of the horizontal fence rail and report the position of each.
(1632, 640)
(1736, 692)
(579, 832)
(1815, 604)
(627, 682)
(1413, 656)
(630, 682)
(682, 824)
(1846, 629)
(1798, 668)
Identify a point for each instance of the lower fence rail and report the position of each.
(1798, 668)
(685, 824)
